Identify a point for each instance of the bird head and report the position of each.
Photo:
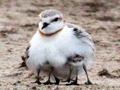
(51, 21)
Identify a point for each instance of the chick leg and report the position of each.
(48, 81)
(37, 81)
(57, 80)
(76, 79)
(88, 80)
(69, 78)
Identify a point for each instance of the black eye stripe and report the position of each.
(55, 20)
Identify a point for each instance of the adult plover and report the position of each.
(59, 48)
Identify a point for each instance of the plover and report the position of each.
(59, 48)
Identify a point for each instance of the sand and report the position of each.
(19, 21)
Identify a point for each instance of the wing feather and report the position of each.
(25, 57)
(81, 33)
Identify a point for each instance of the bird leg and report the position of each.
(37, 81)
(69, 78)
(88, 80)
(48, 81)
(57, 80)
(75, 81)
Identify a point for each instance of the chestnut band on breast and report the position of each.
(50, 34)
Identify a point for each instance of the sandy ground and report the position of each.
(19, 21)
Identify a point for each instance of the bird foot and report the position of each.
(73, 83)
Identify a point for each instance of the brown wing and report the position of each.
(25, 57)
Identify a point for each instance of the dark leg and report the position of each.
(48, 81)
(37, 81)
(57, 81)
(69, 78)
(88, 80)
(75, 81)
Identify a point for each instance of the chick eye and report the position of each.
(55, 20)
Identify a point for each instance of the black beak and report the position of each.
(45, 25)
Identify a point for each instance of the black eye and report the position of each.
(75, 29)
(55, 20)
